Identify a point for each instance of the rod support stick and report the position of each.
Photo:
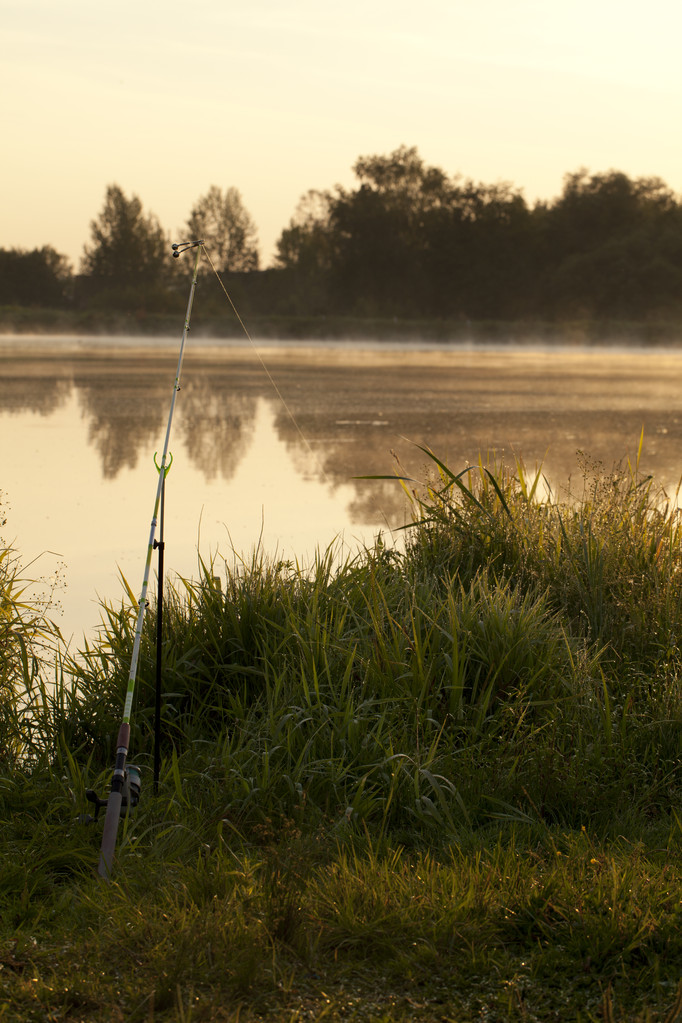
(159, 646)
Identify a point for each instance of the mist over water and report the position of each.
(278, 465)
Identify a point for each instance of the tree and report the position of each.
(304, 244)
(41, 277)
(223, 223)
(593, 210)
(304, 253)
(491, 230)
(614, 247)
(402, 178)
(129, 249)
(380, 233)
(409, 241)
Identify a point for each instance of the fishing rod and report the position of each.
(159, 546)
(125, 784)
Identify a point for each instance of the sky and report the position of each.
(275, 97)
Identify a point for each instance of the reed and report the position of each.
(29, 639)
(521, 653)
(436, 780)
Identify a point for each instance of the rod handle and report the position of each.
(113, 814)
(109, 832)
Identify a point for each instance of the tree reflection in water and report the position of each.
(348, 412)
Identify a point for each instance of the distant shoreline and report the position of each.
(55, 322)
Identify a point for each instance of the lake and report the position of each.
(268, 443)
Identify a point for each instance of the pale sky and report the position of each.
(274, 97)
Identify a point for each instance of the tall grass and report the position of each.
(518, 660)
(29, 641)
(608, 556)
(445, 776)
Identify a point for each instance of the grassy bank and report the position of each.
(439, 785)
(21, 320)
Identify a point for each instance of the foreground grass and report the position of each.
(512, 926)
(438, 785)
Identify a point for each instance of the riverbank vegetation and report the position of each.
(432, 783)
(410, 243)
(212, 326)
(39, 323)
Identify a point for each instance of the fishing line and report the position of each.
(269, 375)
(318, 464)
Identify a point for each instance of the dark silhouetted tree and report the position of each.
(304, 253)
(41, 277)
(222, 221)
(409, 241)
(305, 242)
(614, 247)
(380, 233)
(129, 249)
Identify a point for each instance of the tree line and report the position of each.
(408, 241)
(127, 263)
(411, 241)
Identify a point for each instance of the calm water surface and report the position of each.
(270, 454)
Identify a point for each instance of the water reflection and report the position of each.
(123, 413)
(217, 425)
(26, 391)
(78, 429)
(343, 417)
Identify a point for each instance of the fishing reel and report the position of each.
(130, 795)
